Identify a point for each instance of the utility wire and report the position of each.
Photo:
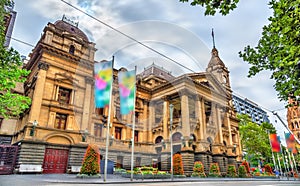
(128, 36)
(20, 41)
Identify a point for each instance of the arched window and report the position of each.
(292, 125)
(158, 139)
(72, 49)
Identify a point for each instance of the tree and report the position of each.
(91, 161)
(211, 6)
(278, 49)
(178, 165)
(254, 138)
(11, 72)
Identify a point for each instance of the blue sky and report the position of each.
(178, 30)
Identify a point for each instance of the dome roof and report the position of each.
(71, 29)
(215, 59)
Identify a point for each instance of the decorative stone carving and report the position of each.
(43, 66)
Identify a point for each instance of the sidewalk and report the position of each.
(111, 179)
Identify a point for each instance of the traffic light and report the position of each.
(104, 120)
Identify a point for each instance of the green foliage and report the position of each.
(214, 170)
(268, 169)
(177, 164)
(242, 171)
(91, 161)
(278, 50)
(198, 170)
(11, 72)
(212, 6)
(255, 138)
(231, 171)
(247, 167)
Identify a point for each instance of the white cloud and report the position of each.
(179, 31)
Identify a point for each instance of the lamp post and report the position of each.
(234, 148)
(34, 125)
(84, 135)
(171, 139)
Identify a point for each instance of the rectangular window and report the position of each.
(119, 162)
(98, 129)
(118, 133)
(207, 107)
(136, 136)
(60, 121)
(138, 161)
(64, 95)
(99, 111)
(1, 120)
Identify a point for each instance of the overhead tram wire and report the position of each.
(20, 41)
(128, 36)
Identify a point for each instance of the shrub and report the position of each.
(198, 170)
(177, 164)
(91, 161)
(247, 167)
(242, 171)
(268, 169)
(231, 171)
(214, 170)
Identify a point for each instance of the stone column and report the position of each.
(203, 123)
(219, 123)
(199, 117)
(86, 104)
(188, 161)
(145, 120)
(150, 123)
(37, 97)
(165, 118)
(185, 115)
(227, 120)
(165, 161)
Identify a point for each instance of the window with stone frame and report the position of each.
(72, 49)
(64, 95)
(136, 136)
(138, 161)
(118, 133)
(1, 121)
(60, 121)
(208, 113)
(99, 111)
(98, 129)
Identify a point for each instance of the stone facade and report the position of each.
(61, 86)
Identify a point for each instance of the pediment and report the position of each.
(208, 80)
(66, 78)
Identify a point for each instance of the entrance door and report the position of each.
(55, 161)
(8, 156)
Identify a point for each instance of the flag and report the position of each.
(127, 91)
(103, 83)
(290, 142)
(275, 144)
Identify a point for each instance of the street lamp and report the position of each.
(191, 140)
(34, 124)
(84, 135)
(163, 143)
(111, 140)
(171, 140)
(234, 148)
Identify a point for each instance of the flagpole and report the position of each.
(108, 124)
(272, 150)
(284, 162)
(291, 163)
(133, 131)
(279, 164)
(295, 164)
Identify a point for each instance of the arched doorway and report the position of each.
(176, 139)
(158, 149)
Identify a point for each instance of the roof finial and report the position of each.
(213, 37)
